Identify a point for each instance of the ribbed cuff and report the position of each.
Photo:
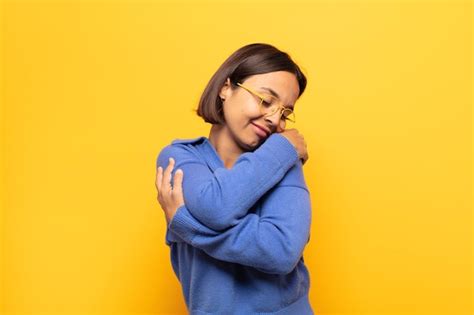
(182, 224)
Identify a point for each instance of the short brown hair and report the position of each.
(252, 59)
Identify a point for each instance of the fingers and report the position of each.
(166, 183)
(170, 195)
(159, 178)
(178, 181)
(164, 178)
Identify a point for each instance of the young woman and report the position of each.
(236, 203)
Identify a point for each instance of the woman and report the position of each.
(237, 206)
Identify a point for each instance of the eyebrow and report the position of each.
(275, 94)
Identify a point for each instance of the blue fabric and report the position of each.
(237, 243)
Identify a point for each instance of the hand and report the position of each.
(298, 142)
(170, 198)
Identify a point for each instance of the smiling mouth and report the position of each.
(260, 132)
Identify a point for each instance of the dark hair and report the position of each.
(252, 59)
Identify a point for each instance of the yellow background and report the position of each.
(92, 90)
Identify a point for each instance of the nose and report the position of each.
(275, 122)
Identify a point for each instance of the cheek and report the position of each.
(240, 112)
(250, 110)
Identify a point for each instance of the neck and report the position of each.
(224, 144)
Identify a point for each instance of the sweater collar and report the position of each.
(211, 155)
(207, 150)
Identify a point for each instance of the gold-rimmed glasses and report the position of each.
(271, 104)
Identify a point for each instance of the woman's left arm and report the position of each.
(272, 242)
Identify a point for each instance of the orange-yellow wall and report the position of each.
(94, 89)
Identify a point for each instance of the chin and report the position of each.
(249, 145)
(255, 144)
(251, 142)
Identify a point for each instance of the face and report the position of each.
(242, 111)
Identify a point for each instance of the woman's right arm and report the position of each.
(218, 200)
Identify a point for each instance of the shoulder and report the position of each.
(191, 141)
(180, 149)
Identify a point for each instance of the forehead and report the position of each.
(283, 83)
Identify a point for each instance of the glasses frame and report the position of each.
(262, 99)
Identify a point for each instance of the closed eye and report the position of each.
(267, 100)
(266, 103)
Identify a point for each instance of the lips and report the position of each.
(262, 130)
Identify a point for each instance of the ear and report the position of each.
(225, 90)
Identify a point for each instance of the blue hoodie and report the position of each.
(237, 242)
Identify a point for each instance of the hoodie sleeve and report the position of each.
(271, 241)
(219, 199)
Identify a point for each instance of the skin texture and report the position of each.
(169, 199)
(241, 108)
(238, 135)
